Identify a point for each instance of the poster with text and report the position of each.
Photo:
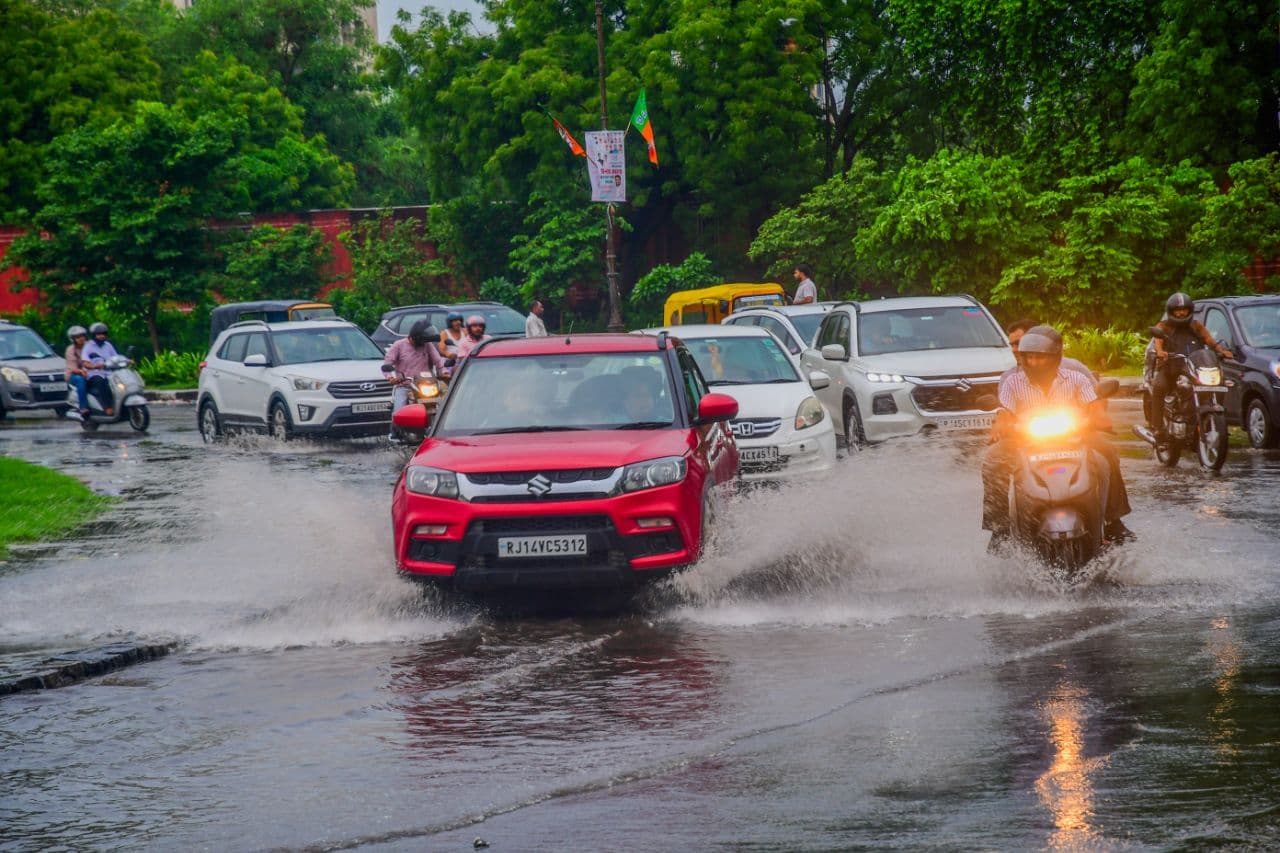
(608, 165)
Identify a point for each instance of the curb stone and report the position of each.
(187, 395)
(71, 667)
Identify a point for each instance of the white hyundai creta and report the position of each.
(781, 429)
(900, 366)
(314, 377)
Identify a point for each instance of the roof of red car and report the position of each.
(560, 344)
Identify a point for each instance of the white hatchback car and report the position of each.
(794, 325)
(781, 430)
(314, 377)
(900, 366)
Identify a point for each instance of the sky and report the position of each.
(387, 11)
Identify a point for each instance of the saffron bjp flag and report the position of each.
(568, 139)
(640, 121)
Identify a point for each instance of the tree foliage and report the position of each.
(565, 244)
(651, 291)
(266, 262)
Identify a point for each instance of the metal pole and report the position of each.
(611, 246)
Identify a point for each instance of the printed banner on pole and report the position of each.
(609, 178)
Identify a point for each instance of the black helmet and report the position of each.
(1041, 340)
(1179, 302)
(419, 333)
(76, 332)
(98, 329)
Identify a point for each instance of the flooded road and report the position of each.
(850, 669)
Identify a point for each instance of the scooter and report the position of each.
(1194, 414)
(1059, 493)
(127, 400)
(424, 388)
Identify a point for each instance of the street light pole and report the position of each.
(611, 246)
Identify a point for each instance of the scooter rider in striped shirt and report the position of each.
(1041, 380)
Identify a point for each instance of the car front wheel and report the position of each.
(281, 427)
(855, 438)
(1257, 423)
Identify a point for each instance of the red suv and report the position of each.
(589, 461)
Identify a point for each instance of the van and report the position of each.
(713, 304)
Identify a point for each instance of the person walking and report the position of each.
(533, 325)
(806, 290)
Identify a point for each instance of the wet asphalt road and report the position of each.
(850, 670)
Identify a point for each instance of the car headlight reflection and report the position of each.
(435, 482)
(653, 473)
(1209, 375)
(306, 383)
(809, 414)
(14, 375)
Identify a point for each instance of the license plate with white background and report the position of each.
(969, 422)
(52, 387)
(542, 546)
(361, 408)
(757, 454)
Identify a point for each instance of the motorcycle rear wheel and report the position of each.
(1211, 443)
(139, 418)
(1068, 556)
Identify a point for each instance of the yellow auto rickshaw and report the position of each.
(713, 304)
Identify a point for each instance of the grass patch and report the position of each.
(42, 504)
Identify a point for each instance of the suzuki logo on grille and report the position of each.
(742, 429)
(538, 486)
(368, 386)
(965, 386)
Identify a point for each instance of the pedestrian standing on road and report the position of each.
(806, 290)
(533, 325)
(77, 373)
(409, 357)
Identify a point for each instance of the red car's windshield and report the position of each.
(559, 392)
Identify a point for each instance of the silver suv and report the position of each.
(310, 377)
(32, 375)
(793, 325)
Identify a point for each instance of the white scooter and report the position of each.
(127, 400)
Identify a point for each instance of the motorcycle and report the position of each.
(1194, 414)
(1059, 492)
(424, 388)
(127, 400)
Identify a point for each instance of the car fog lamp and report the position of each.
(305, 412)
(655, 472)
(809, 414)
(1209, 375)
(430, 529)
(1052, 424)
(16, 376)
(431, 481)
(651, 523)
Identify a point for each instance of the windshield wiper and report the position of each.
(644, 425)
(730, 382)
(503, 430)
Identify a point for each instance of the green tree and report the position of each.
(1238, 226)
(60, 73)
(393, 262)
(564, 245)
(266, 262)
(651, 291)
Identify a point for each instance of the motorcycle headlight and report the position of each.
(810, 413)
(1053, 424)
(1209, 375)
(428, 389)
(14, 375)
(306, 383)
(438, 483)
(653, 473)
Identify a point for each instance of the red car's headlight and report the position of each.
(436, 482)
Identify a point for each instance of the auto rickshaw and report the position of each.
(713, 304)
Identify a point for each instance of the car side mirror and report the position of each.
(1157, 332)
(386, 368)
(412, 416)
(819, 380)
(833, 352)
(256, 360)
(713, 408)
(1108, 388)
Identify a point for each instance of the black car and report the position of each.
(1250, 327)
(501, 321)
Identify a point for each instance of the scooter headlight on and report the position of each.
(809, 414)
(435, 482)
(1209, 375)
(1053, 424)
(427, 388)
(14, 375)
(653, 473)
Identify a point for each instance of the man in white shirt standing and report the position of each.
(806, 290)
(533, 325)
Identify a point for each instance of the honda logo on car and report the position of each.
(742, 429)
(538, 486)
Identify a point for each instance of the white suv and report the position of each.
(314, 377)
(793, 325)
(899, 366)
